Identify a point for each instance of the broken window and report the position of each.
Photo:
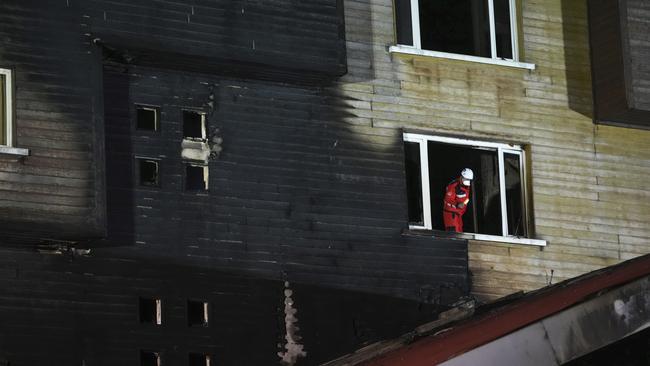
(497, 203)
(148, 172)
(150, 311)
(197, 313)
(193, 125)
(149, 358)
(6, 110)
(147, 118)
(484, 28)
(196, 177)
(199, 359)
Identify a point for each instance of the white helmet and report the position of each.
(467, 175)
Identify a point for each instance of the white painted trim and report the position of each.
(415, 23)
(8, 150)
(416, 137)
(9, 106)
(426, 194)
(509, 239)
(493, 34)
(514, 35)
(502, 193)
(410, 50)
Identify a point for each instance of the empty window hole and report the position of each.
(196, 177)
(149, 358)
(197, 313)
(147, 118)
(148, 170)
(193, 125)
(150, 311)
(199, 359)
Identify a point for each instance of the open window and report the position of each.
(148, 171)
(197, 313)
(498, 204)
(194, 125)
(149, 358)
(147, 118)
(196, 177)
(481, 28)
(150, 311)
(199, 359)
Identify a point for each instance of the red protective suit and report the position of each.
(455, 205)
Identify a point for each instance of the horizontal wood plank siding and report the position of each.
(589, 183)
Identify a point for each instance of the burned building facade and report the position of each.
(252, 183)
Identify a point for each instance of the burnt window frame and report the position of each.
(501, 149)
(416, 45)
(138, 172)
(204, 125)
(205, 310)
(157, 113)
(206, 177)
(157, 303)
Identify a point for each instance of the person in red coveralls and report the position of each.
(456, 200)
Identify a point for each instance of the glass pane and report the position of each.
(446, 161)
(414, 182)
(502, 28)
(514, 196)
(403, 22)
(455, 26)
(3, 113)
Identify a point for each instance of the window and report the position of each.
(148, 172)
(199, 359)
(194, 125)
(149, 358)
(147, 118)
(196, 177)
(497, 204)
(482, 28)
(197, 313)
(150, 311)
(6, 108)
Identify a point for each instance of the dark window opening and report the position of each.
(413, 182)
(193, 125)
(196, 177)
(150, 311)
(197, 313)
(147, 118)
(148, 170)
(502, 28)
(199, 359)
(455, 26)
(446, 161)
(3, 111)
(149, 358)
(514, 194)
(403, 20)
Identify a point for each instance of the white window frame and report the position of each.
(8, 148)
(501, 149)
(8, 103)
(416, 48)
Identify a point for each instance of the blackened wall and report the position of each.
(298, 192)
(64, 310)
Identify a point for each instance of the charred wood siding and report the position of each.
(298, 190)
(283, 39)
(57, 192)
(619, 54)
(61, 311)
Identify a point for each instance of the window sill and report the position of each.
(409, 50)
(13, 153)
(478, 237)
